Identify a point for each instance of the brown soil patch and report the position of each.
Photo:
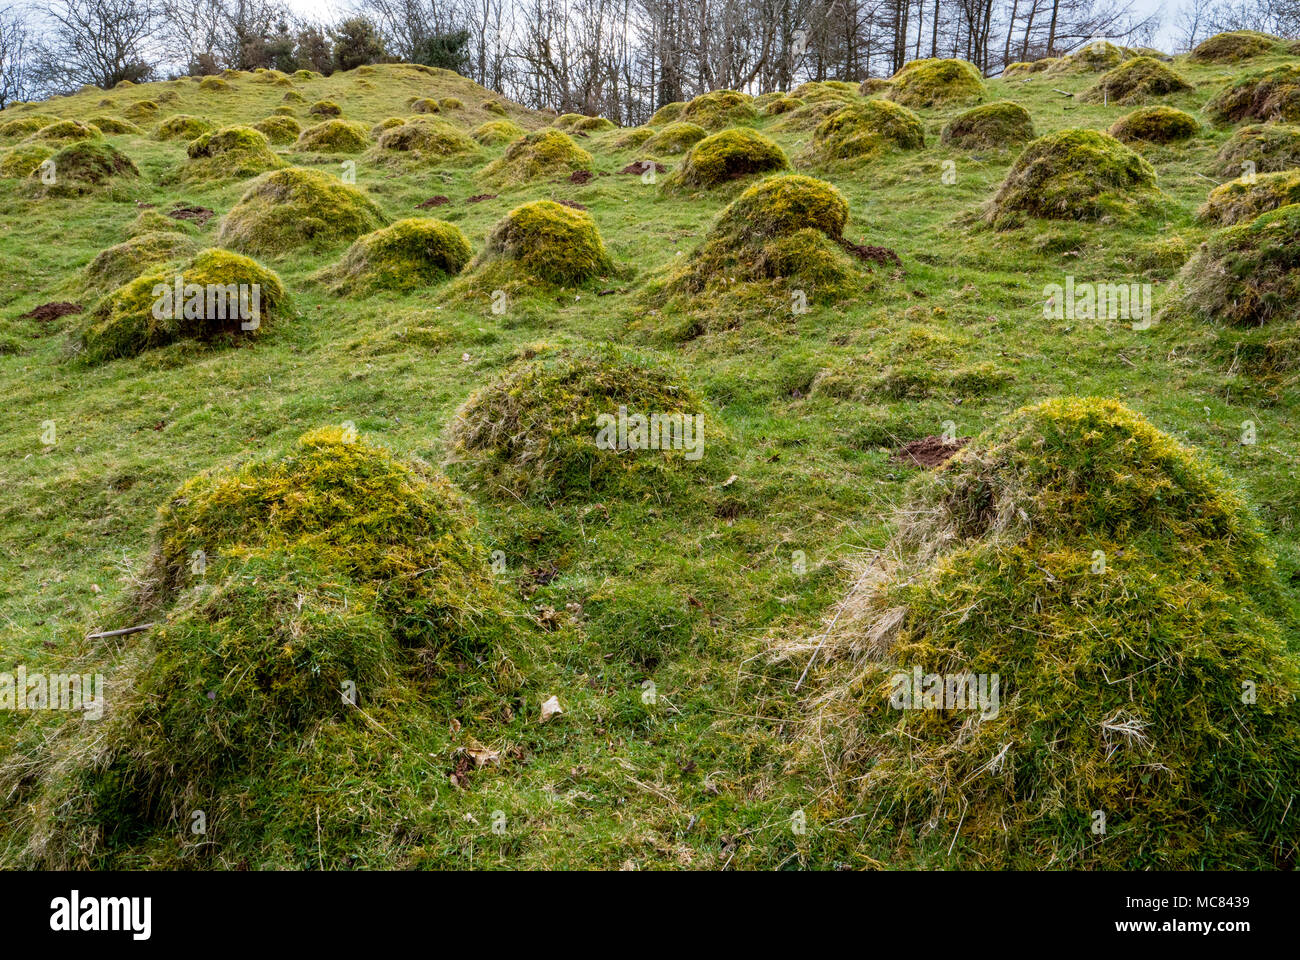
(928, 451)
(480, 197)
(51, 311)
(437, 201)
(198, 215)
(581, 176)
(638, 167)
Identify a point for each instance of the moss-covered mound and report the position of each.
(865, 130)
(1074, 175)
(780, 105)
(936, 83)
(231, 153)
(1245, 279)
(1240, 200)
(112, 126)
(279, 130)
(24, 159)
(338, 577)
(141, 110)
(675, 137)
(325, 108)
(718, 109)
(1023, 68)
(451, 103)
(547, 242)
(83, 167)
(494, 106)
(183, 127)
(386, 124)
(536, 431)
(293, 96)
(1159, 124)
(782, 234)
(727, 156)
(1053, 534)
(668, 113)
(542, 153)
(1095, 57)
(580, 121)
(1264, 148)
(64, 131)
(424, 105)
(21, 127)
(151, 221)
(125, 261)
(815, 90)
(334, 136)
(223, 296)
(631, 138)
(408, 255)
(493, 133)
(989, 126)
(213, 85)
(1233, 46)
(1269, 96)
(1136, 80)
(290, 208)
(423, 140)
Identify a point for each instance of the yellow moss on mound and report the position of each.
(334, 136)
(725, 157)
(549, 242)
(935, 82)
(410, 254)
(294, 207)
(542, 153)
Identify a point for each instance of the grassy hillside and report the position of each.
(650, 611)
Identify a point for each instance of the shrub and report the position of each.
(410, 254)
(1135, 81)
(231, 153)
(294, 207)
(1262, 147)
(991, 125)
(727, 156)
(549, 242)
(334, 136)
(183, 127)
(675, 137)
(1268, 96)
(1075, 175)
(279, 130)
(1238, 201)
(533, 431)
(1155, 125)
(934, 83)
(542, 153)
(143, 314)
(1007, 532)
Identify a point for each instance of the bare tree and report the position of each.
(99, 42)
(13, 57)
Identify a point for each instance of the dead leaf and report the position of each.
(550, 708)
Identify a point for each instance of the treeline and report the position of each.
(619, 58)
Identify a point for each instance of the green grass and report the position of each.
(686, 593)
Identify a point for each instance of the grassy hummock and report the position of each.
(422, 140)
(1273, 95)
(713, 111)
(183, 127)
(409, 255)
(1267, 146)
(1233, 46)
(123, 262)
(542, 153)
(334, 136)
(865, 130)
(935, 83)
(547, 242)
(675, 137)
(1240, 200)
(231, 153)
(1053, 533)
(225, 297)
(294, 207)
(1074, 174)
(493, 133)
(279, 130)
(989, 126)
(1136, 80)
(83, 167)
(1159, 124)
(532, 432)
(724, 157)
